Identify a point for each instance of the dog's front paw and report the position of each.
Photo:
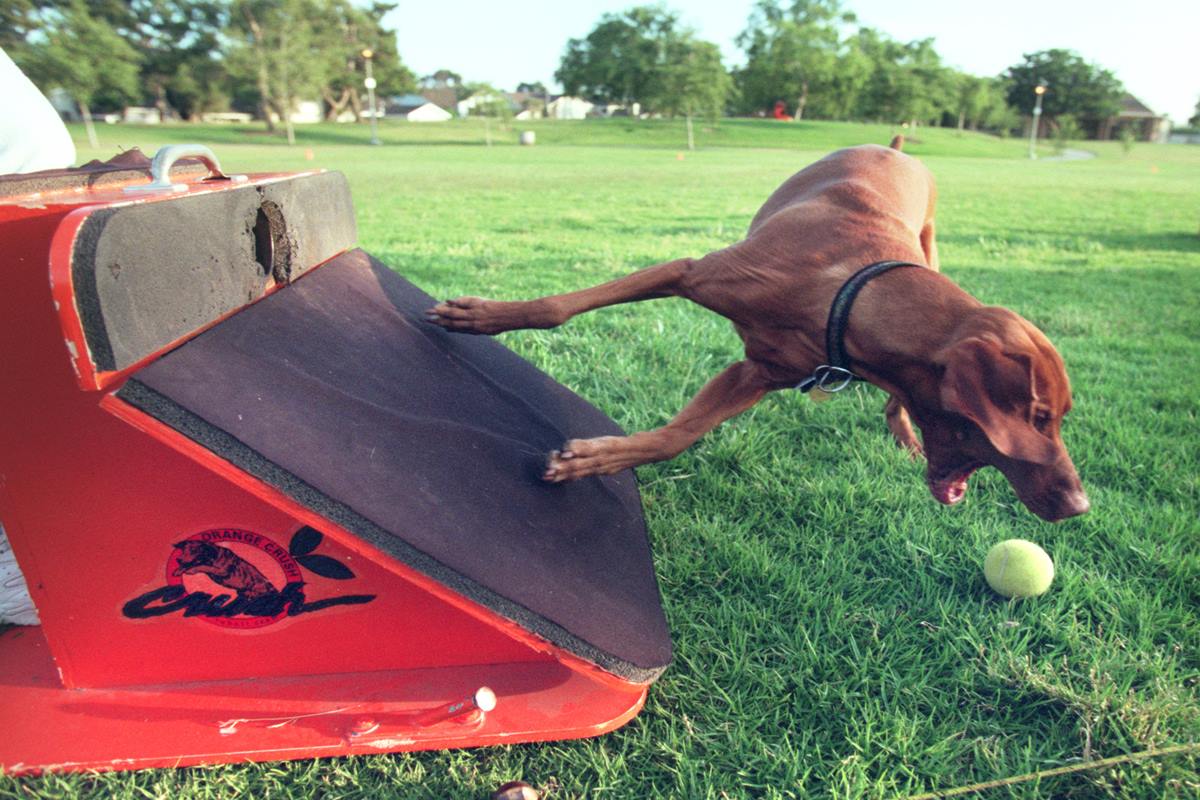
(476, 315)
(580, 458)
(462, 315)
(913, 447)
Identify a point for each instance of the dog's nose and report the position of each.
(1073, 503)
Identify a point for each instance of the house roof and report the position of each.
(444, 98)
(410, 101)
(1132, 107)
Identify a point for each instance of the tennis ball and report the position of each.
(1018, 568)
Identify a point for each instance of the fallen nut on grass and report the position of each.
(515, 790)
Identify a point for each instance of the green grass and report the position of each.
(833, 631)
(668, 134)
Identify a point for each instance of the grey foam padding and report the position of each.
(430, 446)
(149, 274)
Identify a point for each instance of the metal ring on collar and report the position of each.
(830, 379)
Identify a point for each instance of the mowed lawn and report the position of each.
(834, 635)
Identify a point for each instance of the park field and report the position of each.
(834, 634)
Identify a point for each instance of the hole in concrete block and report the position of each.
(264, 243)
(272, 245)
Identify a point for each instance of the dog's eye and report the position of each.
(1042, 420)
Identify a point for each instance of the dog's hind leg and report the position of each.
(477, 315)
(736, 389)
(900, 425)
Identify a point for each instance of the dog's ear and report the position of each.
(994, 389)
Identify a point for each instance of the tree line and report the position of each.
(811, 58)
(803, 59)
(186, 57)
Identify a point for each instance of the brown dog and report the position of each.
(984, 385)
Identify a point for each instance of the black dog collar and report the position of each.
(836, 375)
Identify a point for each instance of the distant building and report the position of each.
(416, 108)
(567, 107)
(1137, 117)
(141, 115)
(226, 116)
(617, 110)
(445, 98)
(469, 104)
(527, 105)
(305, 112)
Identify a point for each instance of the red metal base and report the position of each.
(138, 662)
(267, 719)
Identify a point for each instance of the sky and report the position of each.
(1150, 47)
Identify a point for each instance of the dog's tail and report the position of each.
(898, 142)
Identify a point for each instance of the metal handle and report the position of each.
(165, 158)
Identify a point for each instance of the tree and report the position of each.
(981, 102)
(908, 82)
(82, 54)
(285, 48)
(927, 86)
(491, 104)
(620, 60)
(445, 79)
(1073, 86)
(278, 43)
(180, 41)
(194, 88)
(792, 52)
(1195, 120)
(442, 79)
(349, 32)
(18, 18)
(692, 81)
(883, 96)
(850, 81)
(537, 87)
(970, 95)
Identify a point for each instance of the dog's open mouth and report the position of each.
(951, 486)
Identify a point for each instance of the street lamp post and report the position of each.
(370, 84)
(1038, 90)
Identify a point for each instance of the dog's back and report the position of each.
(864, 181)
(853, 207)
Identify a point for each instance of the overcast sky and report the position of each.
(1151, 47)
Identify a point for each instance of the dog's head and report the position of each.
(193, 553)
(1001, 400)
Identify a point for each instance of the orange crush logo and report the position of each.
(240, 579)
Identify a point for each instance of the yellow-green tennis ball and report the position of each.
(1018, 568)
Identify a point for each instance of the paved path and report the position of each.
(1071, 155)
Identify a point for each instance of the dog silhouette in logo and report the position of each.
(224, 567)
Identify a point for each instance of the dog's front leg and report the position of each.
(733, 391)
(478, 315)
(900, 424)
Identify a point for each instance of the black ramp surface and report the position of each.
(430, 445)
